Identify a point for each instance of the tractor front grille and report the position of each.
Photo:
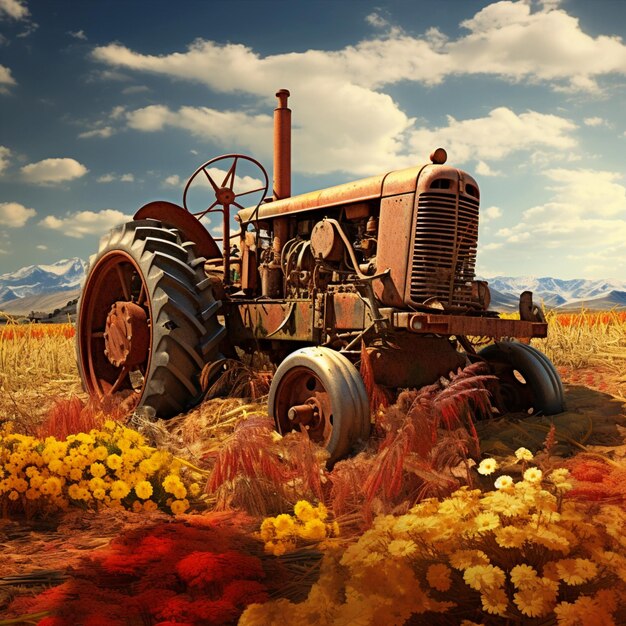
(444, 249)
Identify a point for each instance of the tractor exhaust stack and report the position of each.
(282, 147)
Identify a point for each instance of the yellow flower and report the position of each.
(99, 494)
(194, 489)
(97, 470)
(143, 489)
(314, 529)
(179, 492)
(486, 521)
(462, 559)
(179, 506)
(149, 505)
(114, 461)
(483, 577)
(119, 490)
(559, 475)
(523, 574)
(487, 466)
(533, 475)
(438, 576)
(530, 603)
(503, 482)
(576, 571)
(100, 453)
(495, 601)
(283, 524)
(76, 474)
(303, 510)
(267, 529)
(510, 537)
(402, 547)
(523, 454)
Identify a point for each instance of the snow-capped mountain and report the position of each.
(35, 280)
(558, 293)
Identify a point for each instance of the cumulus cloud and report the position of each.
(53, 171)
(172, 181)
(41, 247)
(83, 223)
(490, 213)
(6, 80)
(109, 178)
(14, 214)
(484, 169)
(594, 121)
(586, 213)
(14, 9)
(345, 120)
(104, 132)
(5, 154)
(498, 135)
(509, 39)
(79, 34)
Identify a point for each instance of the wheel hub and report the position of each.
(225, 195)
(126, 335)
(307, 414)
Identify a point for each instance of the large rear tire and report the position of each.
(147, 319)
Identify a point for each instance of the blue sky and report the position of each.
(105, 106)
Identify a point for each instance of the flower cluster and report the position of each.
(519, 552)
(109, 467)
(308, 523)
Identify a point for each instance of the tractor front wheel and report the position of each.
(319, 392)
(147, 320)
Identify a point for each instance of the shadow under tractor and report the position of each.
(384, 264)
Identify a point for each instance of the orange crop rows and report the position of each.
(10, 332)
(591, 319)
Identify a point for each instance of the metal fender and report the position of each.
(538, 371)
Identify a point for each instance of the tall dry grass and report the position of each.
(586, 339)
(37, 366)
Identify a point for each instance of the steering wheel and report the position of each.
(226, 192)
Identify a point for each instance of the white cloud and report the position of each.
(79, 34)
(15, 9)
(5, 153)
(6, 80)
(484, 169)
(135, 89)
(41, 247)
(52, 171)
(376, 20)
(345, 122)
(83, 223)
(594, 121)
(490, 213)
(14, 214)
(506, 39)
(104, 132)
(586, 213)
(498, 135)
(492, 246)
(109, 178)
(172, 181)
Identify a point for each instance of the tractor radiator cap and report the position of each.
(438, 156)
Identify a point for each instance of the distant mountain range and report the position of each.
(555, 293)
(47, 287)
(41, 287)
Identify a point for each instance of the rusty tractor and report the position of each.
(384, 264)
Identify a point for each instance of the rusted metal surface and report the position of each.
(413, 361)
(306, 403)
(325, 242)
(189, 226)
(112, 280)
(287, 319)
(394, 241)
(282, 147)
(466, 325)
(126, 335)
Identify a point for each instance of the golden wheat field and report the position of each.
(213, 518)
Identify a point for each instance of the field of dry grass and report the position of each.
(243, 474)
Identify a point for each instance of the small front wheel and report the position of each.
(318, 391)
